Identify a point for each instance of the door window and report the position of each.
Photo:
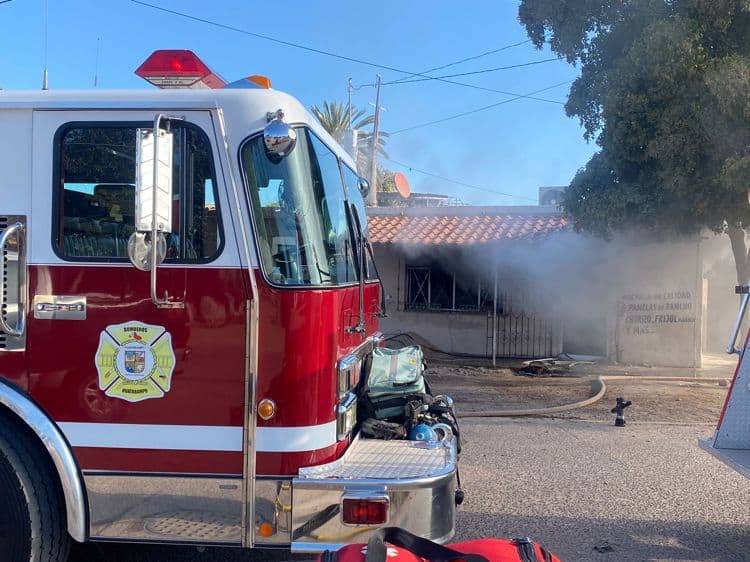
(95, 194)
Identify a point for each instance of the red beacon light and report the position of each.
(178, 69)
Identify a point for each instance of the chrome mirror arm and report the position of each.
(166, 302)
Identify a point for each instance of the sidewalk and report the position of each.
(714, 365)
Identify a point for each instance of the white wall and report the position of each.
(644, 299)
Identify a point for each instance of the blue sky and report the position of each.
(513, 148)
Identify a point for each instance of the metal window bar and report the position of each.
(418, 288)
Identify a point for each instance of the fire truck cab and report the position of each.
(188, 299)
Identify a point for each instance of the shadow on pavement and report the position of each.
(575, 539)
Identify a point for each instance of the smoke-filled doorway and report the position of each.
(586, 335)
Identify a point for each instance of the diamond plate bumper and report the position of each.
(420, 484)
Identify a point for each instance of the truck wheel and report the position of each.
(32, 510)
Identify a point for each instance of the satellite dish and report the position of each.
(402, 185)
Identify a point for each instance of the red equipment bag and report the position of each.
(405, 547)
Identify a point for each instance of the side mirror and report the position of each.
(153, 180)
(153, 195)
(364, 186)
(279, 137)
(139, 249)
(153, 204)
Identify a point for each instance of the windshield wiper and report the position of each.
(359, 327)
(364, 248)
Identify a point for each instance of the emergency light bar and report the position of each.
(178, 69)
(183, 69)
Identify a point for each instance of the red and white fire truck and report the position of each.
(188, 298)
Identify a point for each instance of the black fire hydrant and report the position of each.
(619, 411)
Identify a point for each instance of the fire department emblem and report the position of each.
(135, 361)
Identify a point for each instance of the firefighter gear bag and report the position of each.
(405, 547)
(394, 378)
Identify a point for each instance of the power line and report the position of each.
(457, 182)
(424, 75)
(479, 56)
(268, 38)
(336, 55)
(473, 86)
(473, 72)
(478, 109)
(5, 1)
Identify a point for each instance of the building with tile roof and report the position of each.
(519, 282)
(463, 226)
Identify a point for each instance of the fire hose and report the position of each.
(599, 389)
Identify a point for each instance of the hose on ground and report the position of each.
(597, 382)
(599, 390)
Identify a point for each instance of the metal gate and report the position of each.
(527, 325)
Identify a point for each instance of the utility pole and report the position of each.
(372, 197)
(349, 107)
(351, 135)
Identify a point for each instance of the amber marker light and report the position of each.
(266, 409)
(262, 81)
(265, 529)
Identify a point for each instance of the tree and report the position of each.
(663, 91)
(386, 181)
(335, 119)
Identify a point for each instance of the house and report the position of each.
(519, 282)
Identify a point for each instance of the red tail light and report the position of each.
(357, 511)
(178, 69)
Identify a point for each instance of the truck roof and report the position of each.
(104, 99)
(246, 105)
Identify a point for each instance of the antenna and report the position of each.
(45, 79)
(96, 64)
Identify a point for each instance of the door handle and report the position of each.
(58, 307)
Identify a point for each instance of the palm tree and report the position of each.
(335, 119)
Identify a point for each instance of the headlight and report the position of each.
(346, 416)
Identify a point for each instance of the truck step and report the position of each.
(379, 459)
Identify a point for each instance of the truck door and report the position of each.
(151, 399)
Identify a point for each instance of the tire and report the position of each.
(32, 510)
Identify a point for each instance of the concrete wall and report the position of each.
(720, 278)
(523, 327)
(638, 303)
(658, 310)
(454, 332)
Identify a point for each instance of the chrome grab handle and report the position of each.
(21, 323)
(731, 348)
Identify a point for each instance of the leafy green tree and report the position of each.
(334, 116)
(664, 90)
(386, 181)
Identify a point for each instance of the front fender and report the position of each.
(59, 451)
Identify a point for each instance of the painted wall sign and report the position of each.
(658, 326)
(135, 361)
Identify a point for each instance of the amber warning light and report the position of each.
(178, 69)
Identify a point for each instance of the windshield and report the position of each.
(300, 213)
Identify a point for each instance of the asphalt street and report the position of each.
(642, 492)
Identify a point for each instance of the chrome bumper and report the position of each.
(420, 484)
